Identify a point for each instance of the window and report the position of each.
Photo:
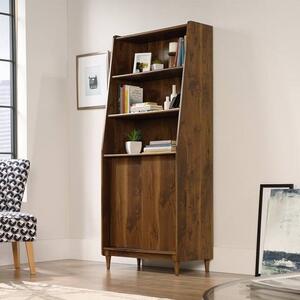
(8, 111)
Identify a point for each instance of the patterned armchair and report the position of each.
(16, 226)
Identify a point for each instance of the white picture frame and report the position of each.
(92, 80)
(142, 62)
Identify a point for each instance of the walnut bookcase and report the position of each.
(160, 205)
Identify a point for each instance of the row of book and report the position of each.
(144, 107)
(180, 52)
(128, 96)
(160, 146)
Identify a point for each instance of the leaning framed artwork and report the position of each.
(274, 211)
(92, 80)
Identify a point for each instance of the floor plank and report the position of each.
(155, 282)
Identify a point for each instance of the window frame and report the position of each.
(13, 79)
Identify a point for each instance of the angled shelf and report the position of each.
(151, 75)
(159, 205)
(146, 115)
(138, 154)
(155, 35)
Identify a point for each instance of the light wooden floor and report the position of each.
(121, 278)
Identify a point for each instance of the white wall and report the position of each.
(42, 72)
(256, 137)
(47, 113)
(256, 104)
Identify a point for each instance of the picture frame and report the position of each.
(142, 62)
(92, 80)
(264, 196)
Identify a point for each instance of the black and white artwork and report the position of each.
(92, 80)
(280, 232)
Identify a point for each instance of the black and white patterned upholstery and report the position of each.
(15, 226)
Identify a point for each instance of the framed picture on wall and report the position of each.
(92, 80)
(266, 249)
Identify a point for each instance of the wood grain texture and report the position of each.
(30, 257)
(152, 282)
(195, 148)
(16, 254)
(143, 205)
(160, 206)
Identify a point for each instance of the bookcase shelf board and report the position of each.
(138, 154)
(154, 35)
(139, 250)
(151, 75)
(160, 205)
(144, 115)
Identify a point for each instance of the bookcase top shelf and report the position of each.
(147, 115)
(153, 35)
(138, 154)
(151, 75)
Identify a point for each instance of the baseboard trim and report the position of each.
(226, 259)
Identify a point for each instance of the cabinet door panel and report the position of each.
(142, 195)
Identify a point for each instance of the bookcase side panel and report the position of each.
(105, 168)
(195, 148)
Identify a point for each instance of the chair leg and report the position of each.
(30, 257)
(16, 254)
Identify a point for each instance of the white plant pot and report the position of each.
(133, 147)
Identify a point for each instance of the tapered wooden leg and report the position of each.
(30, 257)
(206, 264)
(176, 267)
(108, 260)
(16, 254)
(139, 264)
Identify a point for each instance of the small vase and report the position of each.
(133, 147)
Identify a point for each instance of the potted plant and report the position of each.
(134, 144)
(157, 65)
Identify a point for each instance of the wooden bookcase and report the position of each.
(161, 205)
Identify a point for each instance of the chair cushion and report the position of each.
(17, 226)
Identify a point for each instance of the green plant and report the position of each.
(157, 61)
(134, 135)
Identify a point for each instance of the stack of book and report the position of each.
(160, 146)
(144, 107)
(128, 96)
(180, 52)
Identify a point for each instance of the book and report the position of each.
(168, 148)
(158, 152)
(160, 145)
(143, 104)
(163, 142)
(129, 95)
(180, 53)
(146, 108)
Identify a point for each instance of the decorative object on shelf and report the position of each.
(160, 146)
(157, 65)
(167, 103)
(134, 144)
(180, 54)
(128, 96)
(276, 238)
(173, 94)
(142, 62)
(175, 103)
(145, 106)
(172, 54)
(92, 80)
